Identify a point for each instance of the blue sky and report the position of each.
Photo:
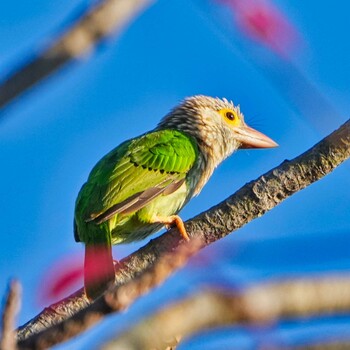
(51, 137)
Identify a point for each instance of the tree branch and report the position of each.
(113, 300)
(258, 305)
(11, 308)
(109, 16)
(251, 201)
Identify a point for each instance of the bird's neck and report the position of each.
(201, 172)
(212, 151)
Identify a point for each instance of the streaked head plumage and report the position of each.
(211, 121)
(199, 111)
(215, 122)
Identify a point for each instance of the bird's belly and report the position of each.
(139, 225)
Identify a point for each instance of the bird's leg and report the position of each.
(173, 220)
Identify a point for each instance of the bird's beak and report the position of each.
(251, 138)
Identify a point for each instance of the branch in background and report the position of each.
(258, 305)
(11, 308)
(251, 201)
(109, 16)
(326, 345)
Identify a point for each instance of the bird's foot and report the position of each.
(173, 220)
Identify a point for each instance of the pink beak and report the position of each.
(251, 138)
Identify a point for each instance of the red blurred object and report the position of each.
(266, 24)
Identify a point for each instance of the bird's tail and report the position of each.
(99, 270)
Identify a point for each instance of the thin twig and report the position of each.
(251, 201)
(259, 305)
(107, 17)
(11, 308)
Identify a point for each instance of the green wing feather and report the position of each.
(166, 150)
(132, 175)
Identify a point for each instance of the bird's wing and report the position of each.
(137, 201)
(135, 173)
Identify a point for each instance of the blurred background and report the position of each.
(286, 64)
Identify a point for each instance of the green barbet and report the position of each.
(142, 184)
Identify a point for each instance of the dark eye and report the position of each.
(230, 116)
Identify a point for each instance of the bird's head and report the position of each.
(217, 124)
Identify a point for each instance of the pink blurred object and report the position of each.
(265, 23)
(67, 275)
(61, 279)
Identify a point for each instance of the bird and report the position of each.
(141, 185)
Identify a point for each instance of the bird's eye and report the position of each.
(229, 115)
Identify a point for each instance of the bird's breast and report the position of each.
(139, 225)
